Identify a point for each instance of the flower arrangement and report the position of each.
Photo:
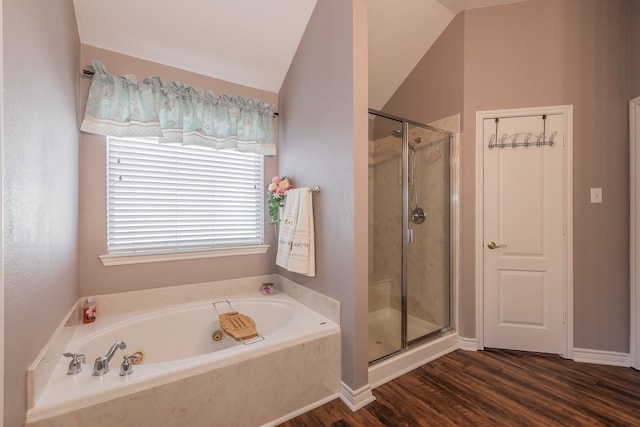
(277, 192)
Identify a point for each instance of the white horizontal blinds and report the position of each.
(179, 198)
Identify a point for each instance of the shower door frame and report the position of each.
(405, 344)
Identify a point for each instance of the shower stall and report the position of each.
(410, 292)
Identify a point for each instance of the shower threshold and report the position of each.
(384, 331)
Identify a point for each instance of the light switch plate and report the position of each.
(596, 195)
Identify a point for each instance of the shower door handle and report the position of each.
(493, 245)
(410, 235)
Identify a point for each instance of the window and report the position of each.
(167, 198)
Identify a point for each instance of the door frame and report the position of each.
(2, 319)
(567, 112)
(634, 247)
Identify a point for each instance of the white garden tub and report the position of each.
(177, 344)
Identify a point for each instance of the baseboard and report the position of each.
(468, 344)
(301, 411)
(601, 357)
(356, 399)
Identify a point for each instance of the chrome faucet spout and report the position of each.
(119, 345)
(101, 365)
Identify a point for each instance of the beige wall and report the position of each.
(441, 94)
(98, 279)
(40, 183)
(581, 58)
(323, 141)
(543, 53)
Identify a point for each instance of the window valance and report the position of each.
(176, 113)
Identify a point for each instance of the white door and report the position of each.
(525, 239)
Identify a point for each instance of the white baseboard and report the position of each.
(301, 411)
(468, 344)
(601, 357)
(356, 399)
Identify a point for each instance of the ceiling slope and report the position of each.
(252, 42)
(400, 33)
(249, 42)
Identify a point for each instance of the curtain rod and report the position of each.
(88, 74)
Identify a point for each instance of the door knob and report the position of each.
(493, 245)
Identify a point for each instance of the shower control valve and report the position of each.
(418, 215)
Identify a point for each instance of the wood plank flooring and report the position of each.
(495, 388)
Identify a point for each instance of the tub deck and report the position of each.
(299, 356)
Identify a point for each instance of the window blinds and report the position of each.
(163, 198)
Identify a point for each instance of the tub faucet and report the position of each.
(101, 365)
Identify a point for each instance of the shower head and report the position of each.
(398, 134)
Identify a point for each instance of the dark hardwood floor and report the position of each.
(495, 388)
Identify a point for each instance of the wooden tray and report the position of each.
(238, 326)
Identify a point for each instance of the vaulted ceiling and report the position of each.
(252, 42)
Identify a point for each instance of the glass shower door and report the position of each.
(409, 234)
(385, 236)
(428, 249)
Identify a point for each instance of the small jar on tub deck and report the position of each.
(89, 311)
(267, 288)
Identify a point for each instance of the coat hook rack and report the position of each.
(512, 140)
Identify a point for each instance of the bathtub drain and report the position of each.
(217, 335)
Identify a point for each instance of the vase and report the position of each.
(276, 224)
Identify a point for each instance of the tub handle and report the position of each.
(75, 365)
(126, 368)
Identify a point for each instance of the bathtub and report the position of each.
(193, 373)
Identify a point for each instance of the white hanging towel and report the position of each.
(296, 242)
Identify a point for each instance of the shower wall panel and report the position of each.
(386, 175)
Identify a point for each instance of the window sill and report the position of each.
(109, 260)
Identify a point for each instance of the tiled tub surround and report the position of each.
(293, 369)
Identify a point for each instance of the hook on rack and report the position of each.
(540, 140)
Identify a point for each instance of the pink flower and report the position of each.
(285, 184)
(277, 190)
